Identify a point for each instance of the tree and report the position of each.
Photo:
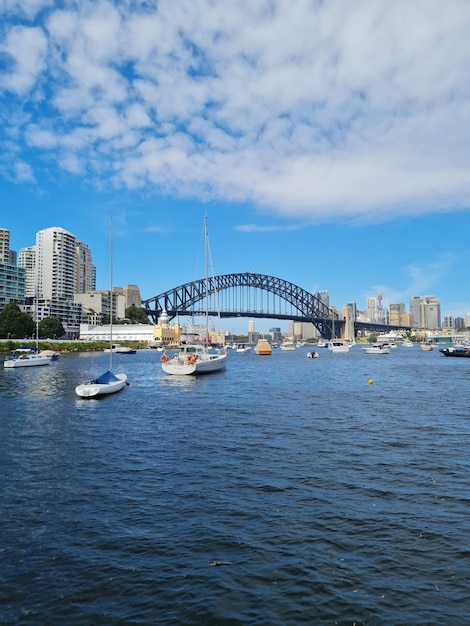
(14, 324)
(136, 315)
(50, 327)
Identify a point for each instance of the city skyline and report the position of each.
(327, 142)
(75, 259)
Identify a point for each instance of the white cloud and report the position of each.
(312, 109)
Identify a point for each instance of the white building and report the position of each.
(144, 333)
(56, 264)
(27, 260)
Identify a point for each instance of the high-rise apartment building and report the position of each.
(27, 260)
(4, 245)
(12, 278)
(56, 264)
(86, 275)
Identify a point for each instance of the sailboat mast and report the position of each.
(110, 293)
(206, 252)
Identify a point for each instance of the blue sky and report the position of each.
(328, 142)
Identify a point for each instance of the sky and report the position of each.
(327, 142)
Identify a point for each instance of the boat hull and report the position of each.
(456, 352)
(94, 389)
(193, 359)
(30, 360)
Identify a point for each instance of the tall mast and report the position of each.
(206, 252)
(110, 293)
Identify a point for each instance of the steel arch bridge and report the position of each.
(245, 295)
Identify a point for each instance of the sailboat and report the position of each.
(194, 357)
(108, 382)
(27, 356)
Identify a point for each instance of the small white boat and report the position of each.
(312, 354)
(193, 358)
(407, 344)
(376, 349)
(243, 348)
(118, 349)
(24, 357)
(322, 344)
(103, 385)
(287, 345)
(338, 346)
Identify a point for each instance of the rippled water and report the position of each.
(325, 499)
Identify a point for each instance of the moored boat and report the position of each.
(193, 358)
(338, 346)
(263, 347)
(457, 351)
(376, 349)
(24, 357)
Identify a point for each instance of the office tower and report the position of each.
(430, 309)
(132, 296)
(27, 260)
(415, 310)
(397, 312)
(372, 309)
(323, 296)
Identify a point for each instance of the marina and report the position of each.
(277, 491)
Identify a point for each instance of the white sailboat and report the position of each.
(108, 382)
(26, 356)
(195, 357)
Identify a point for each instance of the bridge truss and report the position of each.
(245, 295)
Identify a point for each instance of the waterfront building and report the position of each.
(12, 278)
(56, 264)
(12, 285)
(143, 333)
(163, 333)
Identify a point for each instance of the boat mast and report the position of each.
(206, 253)
(110, 293)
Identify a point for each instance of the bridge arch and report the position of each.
(188, 299)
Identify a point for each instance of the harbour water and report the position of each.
(284, 490)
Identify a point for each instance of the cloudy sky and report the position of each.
(327, 141)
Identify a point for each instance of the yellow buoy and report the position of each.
(371, 382)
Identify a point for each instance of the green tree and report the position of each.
(14, 324)
(50, 327)
(136, 315)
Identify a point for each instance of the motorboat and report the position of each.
(312, 354)
(376, 349)
(263, 347)
(322, 344)
(193, 358)
(243, 348)
(426, 346)
(407, 344)
(118, 349)
(338, 346)
(26, 357)
(457, 351)
(287, 345)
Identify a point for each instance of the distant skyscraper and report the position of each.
(251, 326)
(426, 312)
(323, 296)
